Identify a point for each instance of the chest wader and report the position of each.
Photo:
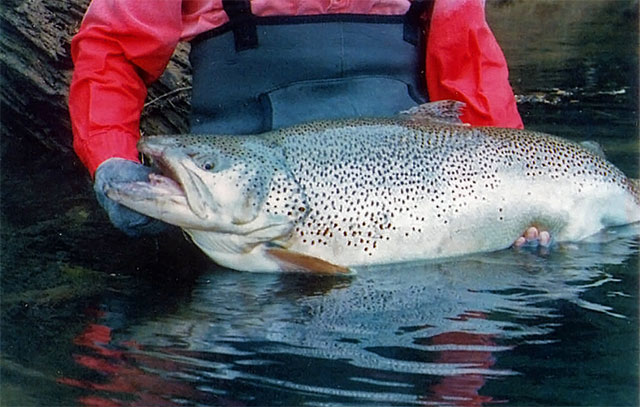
(256, 74)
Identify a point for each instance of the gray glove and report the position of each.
(129, 221)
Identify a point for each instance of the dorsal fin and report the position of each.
(594, 148)
(442, 111)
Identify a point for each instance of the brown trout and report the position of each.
(332, 195)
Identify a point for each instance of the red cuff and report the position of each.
(102, 146)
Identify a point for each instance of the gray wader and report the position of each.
(256, 74)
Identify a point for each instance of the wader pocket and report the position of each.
(337, 98)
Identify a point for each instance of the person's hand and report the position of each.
(129, 221)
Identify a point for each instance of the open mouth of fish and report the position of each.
(165, 185)
(162, 183)
(163, 178)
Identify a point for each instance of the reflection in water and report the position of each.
(424, 334)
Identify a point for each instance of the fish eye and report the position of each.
(208, 166)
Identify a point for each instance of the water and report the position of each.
(90, 317)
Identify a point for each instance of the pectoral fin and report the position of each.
(293, 261)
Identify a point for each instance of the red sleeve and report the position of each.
(121, 47)
(465, 63)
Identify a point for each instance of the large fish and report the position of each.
(328, 196)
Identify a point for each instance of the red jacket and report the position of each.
(124, 45)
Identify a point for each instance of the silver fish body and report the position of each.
(370, 191)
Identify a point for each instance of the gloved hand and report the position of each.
(129, 221)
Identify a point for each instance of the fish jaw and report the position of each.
(160, 198)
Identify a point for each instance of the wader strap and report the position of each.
(413, 21)
(242, 22)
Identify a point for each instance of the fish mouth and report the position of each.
(164, 178)
(165, 184)
(171, 192)
(161, 185)
(175, 173)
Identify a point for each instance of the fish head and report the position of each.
(215, 183)
(225, 179)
